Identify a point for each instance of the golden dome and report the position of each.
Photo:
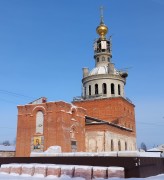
(102, 30)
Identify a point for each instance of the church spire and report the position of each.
(101, 15)
(102, 29)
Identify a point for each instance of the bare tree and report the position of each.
(143, 146)
(6, 143)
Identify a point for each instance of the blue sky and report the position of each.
(44, 45)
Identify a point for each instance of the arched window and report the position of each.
(126, 148)
(112, 89)
(97, 59)
(89, 90)
(103, 58)
(119, 89)
(96, 89)
(119, 145)
(73, 132)
(73, 139)
(85, 91)
(39, 122)
(104, 88)
(112, 145)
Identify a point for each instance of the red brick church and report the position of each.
(101, 120)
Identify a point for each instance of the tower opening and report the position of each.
(104, 88)
(89, 90)
(96, 89)
(119, 90)
(112, 89)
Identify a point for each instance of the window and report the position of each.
(119, 90)
(96, 89)
(97, 59)
(112, 89)
(112, 145)
(74, 146)
(39, 122)
(119, 145)
(126, 146)
(73, 143)
(104, 88)
(89, 90)
(108, 59)
(85, 91)
(103, 58)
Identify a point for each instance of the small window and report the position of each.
(108, 59)
(112, 145)
(73, 143)
(112, 89)
(97, 59)
(126, 148)
(89, 90)
(103, 58)
(119, 90)
(85, 91)
(104, 88)
(74, 146)
(96, 89)
(119, 145)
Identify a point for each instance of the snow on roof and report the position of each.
(158, 148)
(7, 148)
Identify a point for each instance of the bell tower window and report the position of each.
(89, 90)
(85, 91)
(97, 59)
(104, 88)
(112, 89)
(119, 90)
(96, 89)
(103, 58)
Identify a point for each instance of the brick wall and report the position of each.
(63, 123)
(117, 110)
(104, 137)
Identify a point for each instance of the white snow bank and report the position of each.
(83, 167)
(9, 177)
(150, 154)
(7, 148)
(53, 149)
(138, 154)
(128, 153)
(114, 168)
(99, 168)
(6, 165)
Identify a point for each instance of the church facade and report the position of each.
(101, 120)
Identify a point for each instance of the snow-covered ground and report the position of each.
(10, 177)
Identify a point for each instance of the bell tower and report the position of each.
(103, 81)
(102, 45)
